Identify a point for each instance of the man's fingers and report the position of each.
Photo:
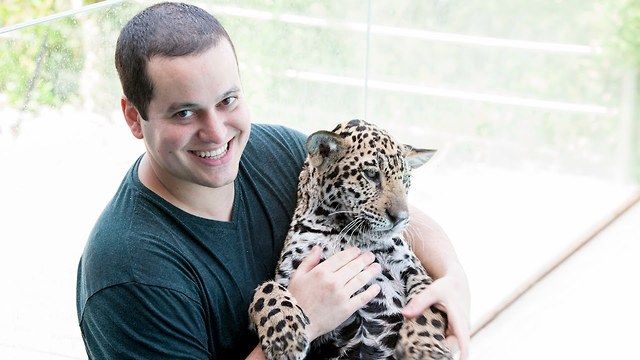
(362, 278)
(455, 345)
(419, 304)
(464, 349)
(360, 300)
(326, 290)
(458, 336)
(337, 261)
(355, 268)
(311, 261)
(452, 343)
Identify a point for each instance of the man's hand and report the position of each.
(450, 289)
(445, 294)
(324, 290)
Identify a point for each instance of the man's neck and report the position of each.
(202, 201)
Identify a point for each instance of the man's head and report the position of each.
(166, 30)
(184, 98)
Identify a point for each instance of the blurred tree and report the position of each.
(629, 32)
(628, 39)
(38, 61)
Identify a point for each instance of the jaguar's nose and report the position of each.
(397, 217)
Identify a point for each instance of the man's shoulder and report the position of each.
(129, 242)
(264, 131)
(276, 138)
(133, 234)
(277, 128)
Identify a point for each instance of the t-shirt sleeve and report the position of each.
(136, 321)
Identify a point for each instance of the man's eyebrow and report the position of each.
(175, 107)
(229, 92)
(181, 106)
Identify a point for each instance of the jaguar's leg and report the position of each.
(280, 323)
(422, 337)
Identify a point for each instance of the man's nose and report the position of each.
(213, 128)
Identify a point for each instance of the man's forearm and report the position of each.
(432, 246)
(256, 354)
(450, 288)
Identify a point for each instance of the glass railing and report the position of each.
(534, 116)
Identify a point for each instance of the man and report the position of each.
(198, 222)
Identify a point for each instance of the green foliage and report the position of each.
(629, 34)
(40, 63)
(16, 11)
(44, 64)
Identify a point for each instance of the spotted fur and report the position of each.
(353, 192)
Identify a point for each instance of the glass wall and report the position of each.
(531, 106)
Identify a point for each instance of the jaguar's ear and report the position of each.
(324, 148)
(417, 157)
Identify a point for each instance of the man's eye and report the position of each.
(183, 114)
(228, 101)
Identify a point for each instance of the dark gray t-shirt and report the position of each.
(155, 282)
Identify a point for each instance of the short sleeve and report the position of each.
(136, 321)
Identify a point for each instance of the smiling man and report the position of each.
(200, 218)
(196, 128)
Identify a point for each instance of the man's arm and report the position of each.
(450, 289)
(256, 354)
(137, 321)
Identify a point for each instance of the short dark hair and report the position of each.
(165, 29)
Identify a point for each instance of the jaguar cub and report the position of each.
(353, 192)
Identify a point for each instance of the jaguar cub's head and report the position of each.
(363, 177)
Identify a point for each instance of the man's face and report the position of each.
(198, 121)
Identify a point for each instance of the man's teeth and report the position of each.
(213, 154)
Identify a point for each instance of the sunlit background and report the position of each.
(533, 106)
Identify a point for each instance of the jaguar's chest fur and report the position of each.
(353, 192)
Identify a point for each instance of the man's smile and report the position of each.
(212, 154)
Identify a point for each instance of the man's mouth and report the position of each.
(214, 154)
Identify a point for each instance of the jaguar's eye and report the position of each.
(372, 174)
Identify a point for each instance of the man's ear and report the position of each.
(132, 117)
(324, 148)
